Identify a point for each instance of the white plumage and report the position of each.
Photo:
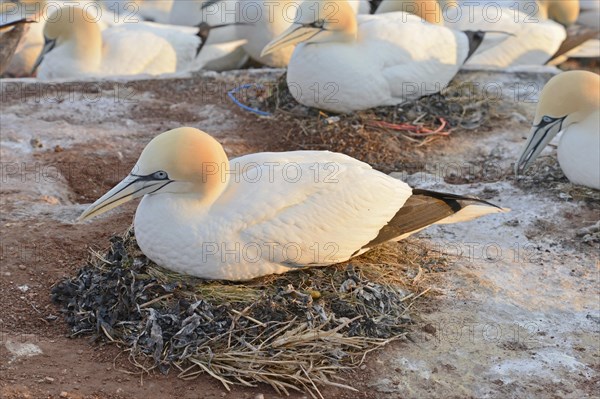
(569, 103)
(579, 151)
(531, 43)
(79, 48)
(532, 38)
(269, 21)
(390, 59)
(269, 212)
(184, 41)
(87, 51)
(305, 215)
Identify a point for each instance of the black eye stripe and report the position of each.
(546, 120)
(160, 175)
(316, 24)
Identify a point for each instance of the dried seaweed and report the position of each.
(294, 331)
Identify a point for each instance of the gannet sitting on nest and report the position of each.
(347, 63)
(268, 213)
(76, 47)
(537, 27)
(270, 20)
(39, 10)
(570, 102)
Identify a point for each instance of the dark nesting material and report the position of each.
(293, 331)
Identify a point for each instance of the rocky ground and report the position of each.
(516, 313)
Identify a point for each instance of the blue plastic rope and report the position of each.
(232, 93)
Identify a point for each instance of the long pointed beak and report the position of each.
(129, 188)
(48, 46)
(539, 137)
(293, 35)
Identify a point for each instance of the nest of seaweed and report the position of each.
(294, 331)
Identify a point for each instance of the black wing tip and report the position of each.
(475, 39)
(455, 197)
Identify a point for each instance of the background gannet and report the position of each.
(347, 63)
(267, 213)
(275, 18)
(272, 23)
(192, 44)
(75, 47)
(536, 28)
(570, 102)
(586, 31)
(33, 41)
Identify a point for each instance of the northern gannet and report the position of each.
(230, 54)
(570, 102)
(268, 213)
(347, 63)
(536, 27)
(39, 11)
(586, 31)
(270, 20)
(75, 46)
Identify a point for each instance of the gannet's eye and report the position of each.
(547, 119)
(160, 175)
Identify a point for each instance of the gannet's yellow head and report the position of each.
(68, 22)
(318, 21)
(76, 27)
(566, 99)
(429, 10)
(180, 161)
(565, 12)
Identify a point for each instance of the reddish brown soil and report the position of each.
(38, 252)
